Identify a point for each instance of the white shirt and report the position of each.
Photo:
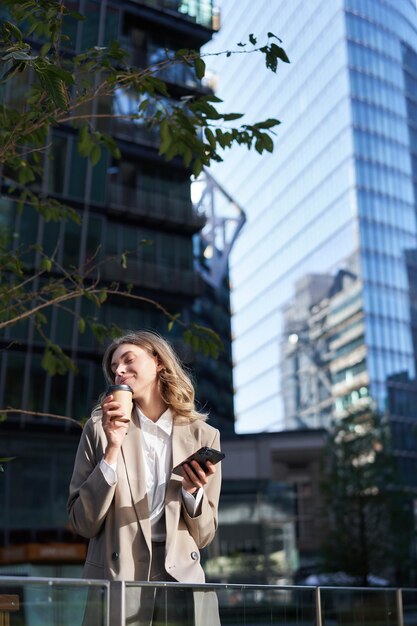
(157, 455)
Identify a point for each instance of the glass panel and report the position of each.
(111, 27)
(359, 606)
(52, 602)
(70, 25)
(14, 379)
(72, 240)
(58, 164)
(36, 384)
(235, 605)
(58, 395)
(77, 174)
(99, 178)
(90, 27)
(409, 597)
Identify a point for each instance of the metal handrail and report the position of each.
(115, 592)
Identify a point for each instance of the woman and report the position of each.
(144, 522)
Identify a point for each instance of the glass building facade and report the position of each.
(139, 205)
(337, 195)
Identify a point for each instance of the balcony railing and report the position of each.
(63, 601)
(152, 276)
(156, 205)
(164, 64)
(199, 11)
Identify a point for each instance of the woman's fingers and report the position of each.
(195, 476)
(113, 411)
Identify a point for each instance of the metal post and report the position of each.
(400, 608)
(117, 603)
(318, 607)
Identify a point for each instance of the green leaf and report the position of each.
(113, 148)
(18, 55)
(252, 39)
(280, 52)
(270, 35)
(53, 86)
(100, 331)
(228, 117)
(95, 154)
(5, 459)
(46, 264)
(210, 137)
(55, 361)
(123, 261)
(195, 343)
(81, 325)
(152, 84)
(12, 30)
(26, 174)
(182, 52)
(200, 67)
(187, 156)
(14, 69)
(45, 49)
(166, 137)
(102, 296)
(269, 123)
(267, 142)
(143, 105)
(197, 167)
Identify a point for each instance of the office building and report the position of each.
(271, 508)
(338, 192)
(139, 205)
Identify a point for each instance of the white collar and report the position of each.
(164, 422)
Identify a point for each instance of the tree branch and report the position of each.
(40, 414)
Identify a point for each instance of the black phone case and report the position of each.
(201, 456)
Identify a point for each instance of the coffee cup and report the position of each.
(122, 394)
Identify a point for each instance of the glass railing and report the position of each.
(407, 606)
(70, 602)
(53, 602)
(362, 606)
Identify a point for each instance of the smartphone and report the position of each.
(201, 456)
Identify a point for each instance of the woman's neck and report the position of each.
(153, 408)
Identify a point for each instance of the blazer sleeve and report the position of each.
(90, 496)
(203, 526)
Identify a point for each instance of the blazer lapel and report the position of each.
(135, 469)
(183, 444)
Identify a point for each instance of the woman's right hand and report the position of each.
(115, 425)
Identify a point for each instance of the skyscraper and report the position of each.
(138, 204)
(331, 214)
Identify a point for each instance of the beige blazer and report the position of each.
(116, 518)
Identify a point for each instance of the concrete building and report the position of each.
(270, 516)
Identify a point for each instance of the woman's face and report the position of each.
(134, 366)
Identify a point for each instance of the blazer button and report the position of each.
(194, 556)
(115, 556)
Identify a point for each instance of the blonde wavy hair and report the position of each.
(175, 386)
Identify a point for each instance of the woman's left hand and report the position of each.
(196, 477)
